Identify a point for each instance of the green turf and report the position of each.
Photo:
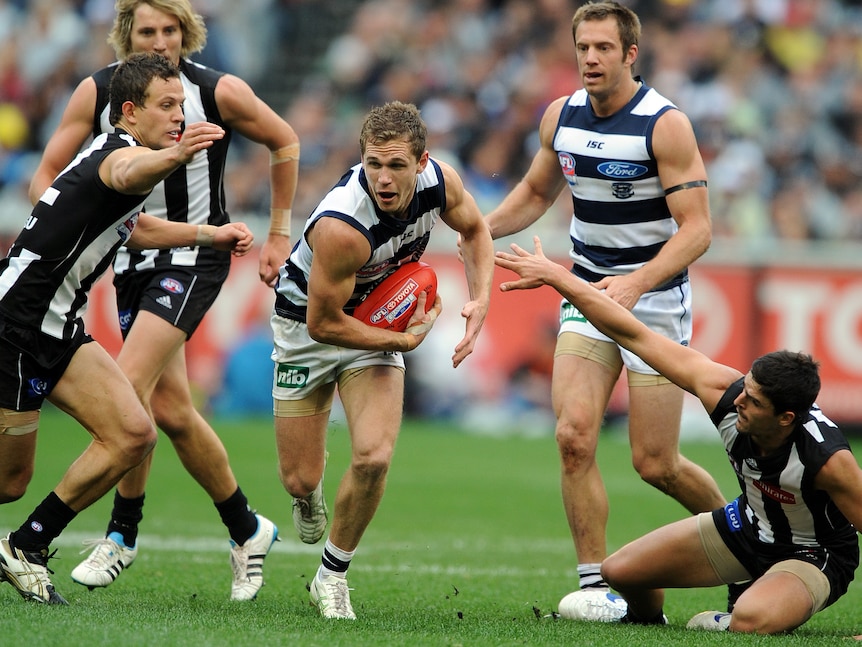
(469, 547)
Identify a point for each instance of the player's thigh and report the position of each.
(670, 556)
(583, 379)
(150, 346)
(95, 392)
(655, 411)
(373, 400)
(300, 440)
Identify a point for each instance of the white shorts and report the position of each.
(667, 312)
(303, 365)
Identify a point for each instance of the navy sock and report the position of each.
(241, 522)
(125, 517)
(43, 525)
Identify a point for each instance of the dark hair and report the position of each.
(628, 23)
(790, 380)
(132, 78)
(394, 120)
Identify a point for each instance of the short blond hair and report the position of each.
(191, 23)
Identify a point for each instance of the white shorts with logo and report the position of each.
(667, 312)
(302, 365)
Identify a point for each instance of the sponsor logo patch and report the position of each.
(288, 376)
(165, 302)
(775, 493)
(567, 164)
(125, 318)
(622, 170)
(172, 285)
(731, 514)
(38, 386)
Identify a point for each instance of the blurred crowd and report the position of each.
(773, 88)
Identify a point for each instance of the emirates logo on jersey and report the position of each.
(775, 493)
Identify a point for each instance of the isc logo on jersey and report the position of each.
(397, 305)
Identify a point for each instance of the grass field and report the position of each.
(469, 547)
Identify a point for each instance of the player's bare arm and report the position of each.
(683, 365)
(136, 170)
(156, 233)
(683, 177)
(339, 252)
(538, 189)
(243, 111)
(477, 249)
(74, 129)
(841, 478)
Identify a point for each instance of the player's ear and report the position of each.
(423, 162)
(130, 111)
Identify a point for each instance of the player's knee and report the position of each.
(371, 466)
(14, 485)
(658, 472)
(137, 439)
(614, 568)
(576, 443)
(171, 417)
(296, 483)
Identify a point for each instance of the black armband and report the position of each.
(685, 185)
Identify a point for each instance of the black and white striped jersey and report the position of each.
(393, 241)
(781, 508)
(68, 241)
(193, 193)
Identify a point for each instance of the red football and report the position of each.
(391, 304)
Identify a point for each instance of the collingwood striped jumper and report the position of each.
(194, 193)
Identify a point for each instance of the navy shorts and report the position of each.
(31, 364)
(838, 566)
(179, 295)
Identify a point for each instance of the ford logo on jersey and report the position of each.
(622, 169)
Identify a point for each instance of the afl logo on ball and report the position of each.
(172, 285)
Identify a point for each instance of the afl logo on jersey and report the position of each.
(567, 164)
(125, 228)
(172, 285)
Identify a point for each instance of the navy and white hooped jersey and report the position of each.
(620, 219)
(393, 241)
(68, 242)
(194, 193)
(781, 508)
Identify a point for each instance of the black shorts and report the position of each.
(31, 364)
(179, 295)
(839, 566)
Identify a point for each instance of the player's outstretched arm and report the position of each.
(686, 367)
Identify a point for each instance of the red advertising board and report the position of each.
(740, 312)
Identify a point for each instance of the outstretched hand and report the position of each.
(534, 269)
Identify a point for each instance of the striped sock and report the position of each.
(591, 576)
(334, 561)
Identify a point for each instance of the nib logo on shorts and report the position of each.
(165, 301)
(288, 376)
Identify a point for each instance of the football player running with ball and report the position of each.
(378, 217)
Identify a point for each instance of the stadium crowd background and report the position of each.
(772, 87)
